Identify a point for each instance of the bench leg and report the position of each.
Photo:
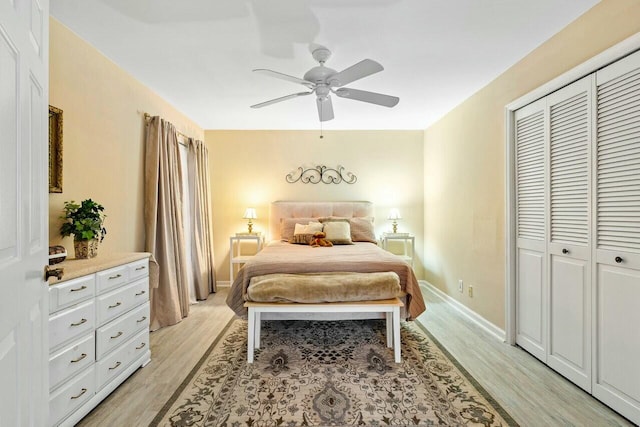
(257, 328)
(388, 314)
(396, 334)
(250, 335)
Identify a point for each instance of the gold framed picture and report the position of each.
(55, 150)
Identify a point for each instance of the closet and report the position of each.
(577, 214)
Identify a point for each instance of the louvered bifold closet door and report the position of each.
(531, 293)
(570, 140)
(617, 217)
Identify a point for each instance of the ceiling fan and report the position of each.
(323, 81)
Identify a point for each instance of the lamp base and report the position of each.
(250, 227)
(395, 227)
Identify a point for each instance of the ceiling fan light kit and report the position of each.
(323, 81)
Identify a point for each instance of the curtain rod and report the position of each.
(148, 116)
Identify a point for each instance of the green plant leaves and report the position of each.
(84, 221)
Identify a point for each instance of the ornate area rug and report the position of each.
(331, 373)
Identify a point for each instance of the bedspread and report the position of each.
(360, 257)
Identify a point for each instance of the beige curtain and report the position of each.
(202, 246)
(164, 225)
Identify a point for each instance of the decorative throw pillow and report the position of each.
(362, 230)
(338, 232)
(302, 234)
(287, 226)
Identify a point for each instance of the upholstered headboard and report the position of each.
(289, 209)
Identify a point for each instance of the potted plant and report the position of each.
(85, 222)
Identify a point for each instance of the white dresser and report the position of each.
(98, 331)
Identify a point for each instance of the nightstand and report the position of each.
(235, 250)
(408, 244)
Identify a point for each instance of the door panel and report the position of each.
(531, 315)
(570, 317)
(24, 42)
(617, 380)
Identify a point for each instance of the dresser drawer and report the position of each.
(121, 329)
(138, 269)
(71, 323)
(65, 294)
(71, 360)
(117, 361)
(115, 303)
(112, 278)
(72, 395)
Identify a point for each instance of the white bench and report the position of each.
(391, 307)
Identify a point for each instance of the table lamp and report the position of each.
(250, 214)
(394, 215)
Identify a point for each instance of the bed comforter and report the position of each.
(279, 257)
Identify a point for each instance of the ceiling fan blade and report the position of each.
(364, 68)
(325, 108)
(370, 97)
(283, 98)
(286, 77)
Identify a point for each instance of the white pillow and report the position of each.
(338, 232)
(312, 227)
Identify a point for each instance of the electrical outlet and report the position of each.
(460, 286)
(470, 288)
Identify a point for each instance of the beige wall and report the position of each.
(465, 161)
(248, 169)
(103, 137)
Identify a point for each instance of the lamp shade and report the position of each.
(394, 214)
(250, 213)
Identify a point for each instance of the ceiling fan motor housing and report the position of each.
(319, 74)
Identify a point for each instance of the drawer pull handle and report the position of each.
(115, 366)
(81, 288)
(565, 251)
(82, 356)
(116, 335)
(142, 320)
(115, 305)
(618, 260)
(117, 276)
(84, 390)
(80, 322)
(141, 346)
(141, 293)
(140, 268)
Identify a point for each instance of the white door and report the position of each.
(24, 86)
(569, 111)
(617, 226)
(531, 288)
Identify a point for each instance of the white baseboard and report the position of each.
(464, 310)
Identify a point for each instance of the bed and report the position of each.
(360, 257)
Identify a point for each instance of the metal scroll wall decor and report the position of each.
(319, 174)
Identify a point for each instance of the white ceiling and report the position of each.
(198, 54)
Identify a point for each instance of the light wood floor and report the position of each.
(532, 393)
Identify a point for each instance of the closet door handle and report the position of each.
(618, 259)
(565, 251)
